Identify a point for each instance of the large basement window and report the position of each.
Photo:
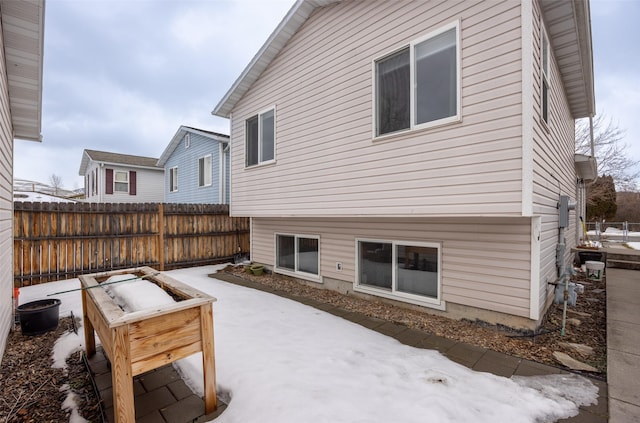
(405, 271)
(419, 85)
(298, 254)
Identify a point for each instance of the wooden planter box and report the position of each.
(147, 339)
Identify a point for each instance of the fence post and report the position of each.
(161, 236)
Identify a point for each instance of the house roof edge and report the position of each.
(293, 20)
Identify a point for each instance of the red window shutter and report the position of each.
(108, 183)
(132, 182)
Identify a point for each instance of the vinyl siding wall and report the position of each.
(327, 162)
(485, 261)
(149, 185)
(186, 159)
(553, 165)
(6, 207)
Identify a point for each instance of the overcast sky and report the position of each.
(122, 76)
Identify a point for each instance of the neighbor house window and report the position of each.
(121, 181)
(545, 66)
(187, 140)
(205, 171)
(419, 85)
(400, 270)
(298, 254)
(173, 179)
(260, 138)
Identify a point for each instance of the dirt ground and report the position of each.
(31, 391)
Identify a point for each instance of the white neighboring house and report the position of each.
(21, 51)
(121, 178)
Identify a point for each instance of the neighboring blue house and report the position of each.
(196, 167)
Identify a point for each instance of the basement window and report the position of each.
(298, 255)
(405, 271)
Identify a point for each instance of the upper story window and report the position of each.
(173, 179)
(121, 181)
(187, 140)
(545, 64)
(260, 138)
(205, 171)
(419, 85)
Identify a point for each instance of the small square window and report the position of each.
(298, 254)
(173, 179)
(121, 181)
(205, 171)
(260, 138)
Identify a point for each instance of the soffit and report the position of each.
(23, 35)
(568, 24)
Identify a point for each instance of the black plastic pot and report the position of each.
(38, 317)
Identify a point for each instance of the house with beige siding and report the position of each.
(21, 53)
(417, 152)
(121, 178)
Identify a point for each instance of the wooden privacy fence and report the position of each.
(54, 241)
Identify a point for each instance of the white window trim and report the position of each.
(175, 178)
(296, 273)
(412, 126)
(266, 162)
(187, 140)
(545, 75)
(115, 181)
(435, 303)
(204, 185)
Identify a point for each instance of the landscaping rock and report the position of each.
(570, 362)
(583, 350)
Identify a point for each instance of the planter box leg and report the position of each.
(208, 358)
(121, 377)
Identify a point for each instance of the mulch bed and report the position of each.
(32, 391)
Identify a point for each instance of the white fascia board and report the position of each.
(294, 19)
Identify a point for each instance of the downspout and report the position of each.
(593, 149)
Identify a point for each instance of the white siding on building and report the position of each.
(485, 261)
(327, 162)
(149, 185)
(6, 208)
(553, 164)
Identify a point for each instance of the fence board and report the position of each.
(54, 241)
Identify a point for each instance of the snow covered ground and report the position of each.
(280, 361)
(38, 197)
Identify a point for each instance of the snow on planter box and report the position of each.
(150, 333)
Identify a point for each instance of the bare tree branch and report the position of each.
(610, 151)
